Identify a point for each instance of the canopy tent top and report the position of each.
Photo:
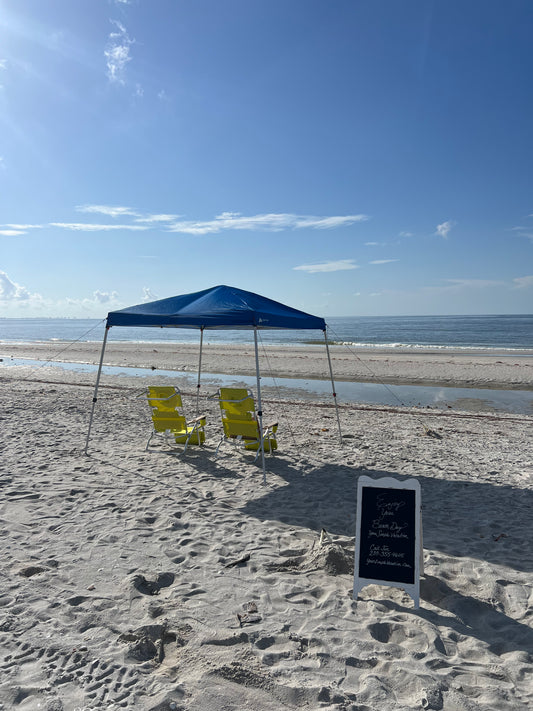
(220, 307)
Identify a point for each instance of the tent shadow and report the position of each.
(326, 498)
(460, 518)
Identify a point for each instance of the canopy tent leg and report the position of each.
(95, 396)
(333, 387)
(259, 406)
(199, 372)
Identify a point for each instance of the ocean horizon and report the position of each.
(507, 332)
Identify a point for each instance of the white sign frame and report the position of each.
(389, 483)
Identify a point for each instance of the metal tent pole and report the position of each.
(259, 406)
(199, 372)
(95, 396)
(333, 387)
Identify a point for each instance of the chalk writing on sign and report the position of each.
(387, 545)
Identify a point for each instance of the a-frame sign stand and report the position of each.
(388, 536)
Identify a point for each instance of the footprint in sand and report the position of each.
(100, 682)
(152, 587)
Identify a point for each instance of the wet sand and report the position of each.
(420, 368)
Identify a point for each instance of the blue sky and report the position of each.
(346, 157)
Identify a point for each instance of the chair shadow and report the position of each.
(199, 459)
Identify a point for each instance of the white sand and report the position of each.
(116, 591)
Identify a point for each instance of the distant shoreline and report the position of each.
(450, 369)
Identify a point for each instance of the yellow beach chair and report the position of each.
(170, 422)
(241, 424)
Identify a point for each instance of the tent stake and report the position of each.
(333, 387)
(95, 396)
(259, 406)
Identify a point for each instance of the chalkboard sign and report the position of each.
(388, 539)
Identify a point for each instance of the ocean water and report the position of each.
(502, 333)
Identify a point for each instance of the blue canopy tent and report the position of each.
(221, 307)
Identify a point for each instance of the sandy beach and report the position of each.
(160, 580)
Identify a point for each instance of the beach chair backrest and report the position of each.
(165, 402)
(164, 398)
(240, 422)
(237, 404)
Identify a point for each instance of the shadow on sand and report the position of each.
(460, 518)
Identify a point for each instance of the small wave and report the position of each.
(425, 346)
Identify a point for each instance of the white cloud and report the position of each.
(103, 297)
(11, 291)
(407, 234)
(14, 230)
(17, 301)
(92, 304)
(271, 222)
(383, 261)
(443, 230)
(148, 295)
(169, 222)
(371, 244)
(23, 227)
(338, 266)
(117, 53)
(474, 283)
(523, 231)
(224, 221)
(3, 63)
(89, 227)
(158, 218)
(112, 211)
(524, 282)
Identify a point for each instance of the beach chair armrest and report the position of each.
(200, 418)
